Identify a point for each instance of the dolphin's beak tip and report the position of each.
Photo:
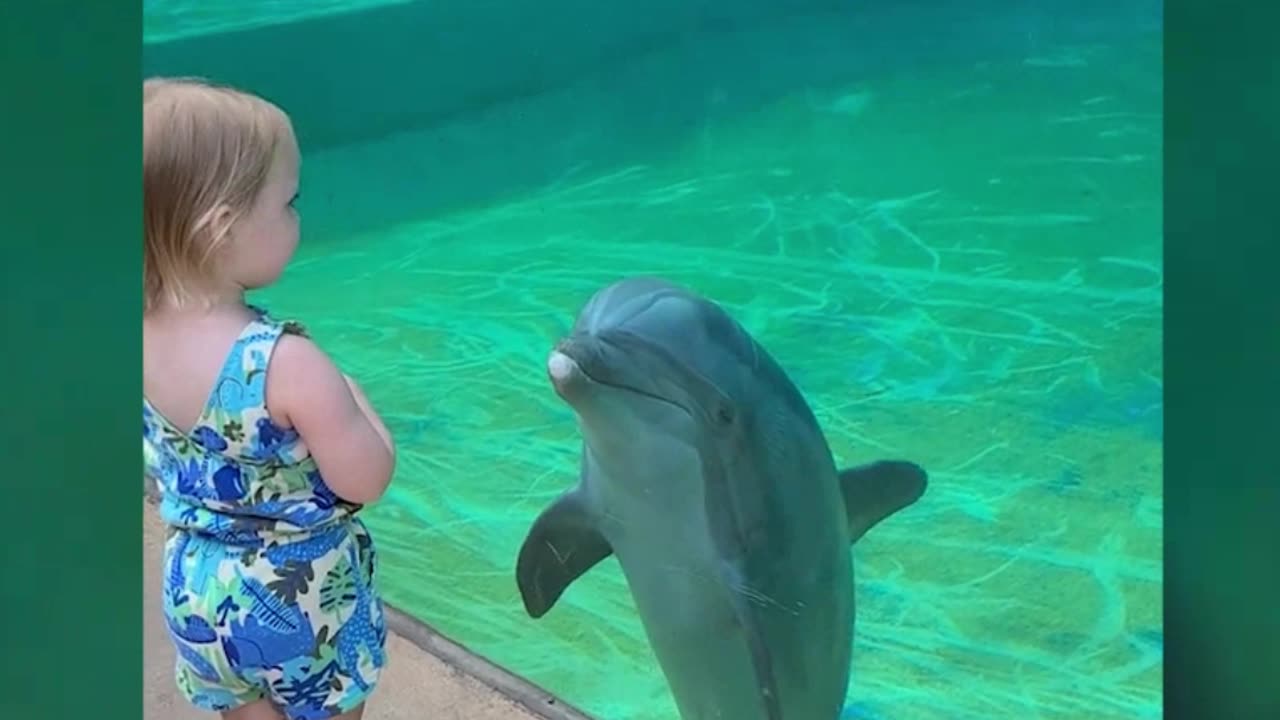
(563, 370)
(560, 366)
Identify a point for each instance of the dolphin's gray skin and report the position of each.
(706, 474)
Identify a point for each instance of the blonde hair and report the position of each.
(205, 147)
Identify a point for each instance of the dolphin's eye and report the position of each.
(724, 414)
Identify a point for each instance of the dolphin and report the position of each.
(705, 473)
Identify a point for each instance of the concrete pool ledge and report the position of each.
(427, 671)
(511, 686)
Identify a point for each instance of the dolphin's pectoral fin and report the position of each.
(562, 545)
(874, 491)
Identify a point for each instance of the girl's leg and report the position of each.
(256, 710)
(264, 710)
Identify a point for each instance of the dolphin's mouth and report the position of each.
(626, 387)
(642, 393)
(587, 360)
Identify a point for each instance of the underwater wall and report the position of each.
(432, 60)
(500, 104)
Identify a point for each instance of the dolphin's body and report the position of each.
(705, 473)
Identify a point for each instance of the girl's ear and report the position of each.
(222, 221)
(216, 225)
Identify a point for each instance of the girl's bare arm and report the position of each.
(349, 443)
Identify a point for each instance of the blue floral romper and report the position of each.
(268, 588)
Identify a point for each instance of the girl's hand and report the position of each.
(362, 402)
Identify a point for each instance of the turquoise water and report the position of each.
(950, 238)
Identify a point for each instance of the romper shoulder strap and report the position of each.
(241, 384)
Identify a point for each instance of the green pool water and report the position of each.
(958, 264)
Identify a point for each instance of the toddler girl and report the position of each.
(263, 450)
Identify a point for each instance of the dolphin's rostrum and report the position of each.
(705, 473)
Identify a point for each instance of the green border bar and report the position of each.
(70, 584)
(1222, 360)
